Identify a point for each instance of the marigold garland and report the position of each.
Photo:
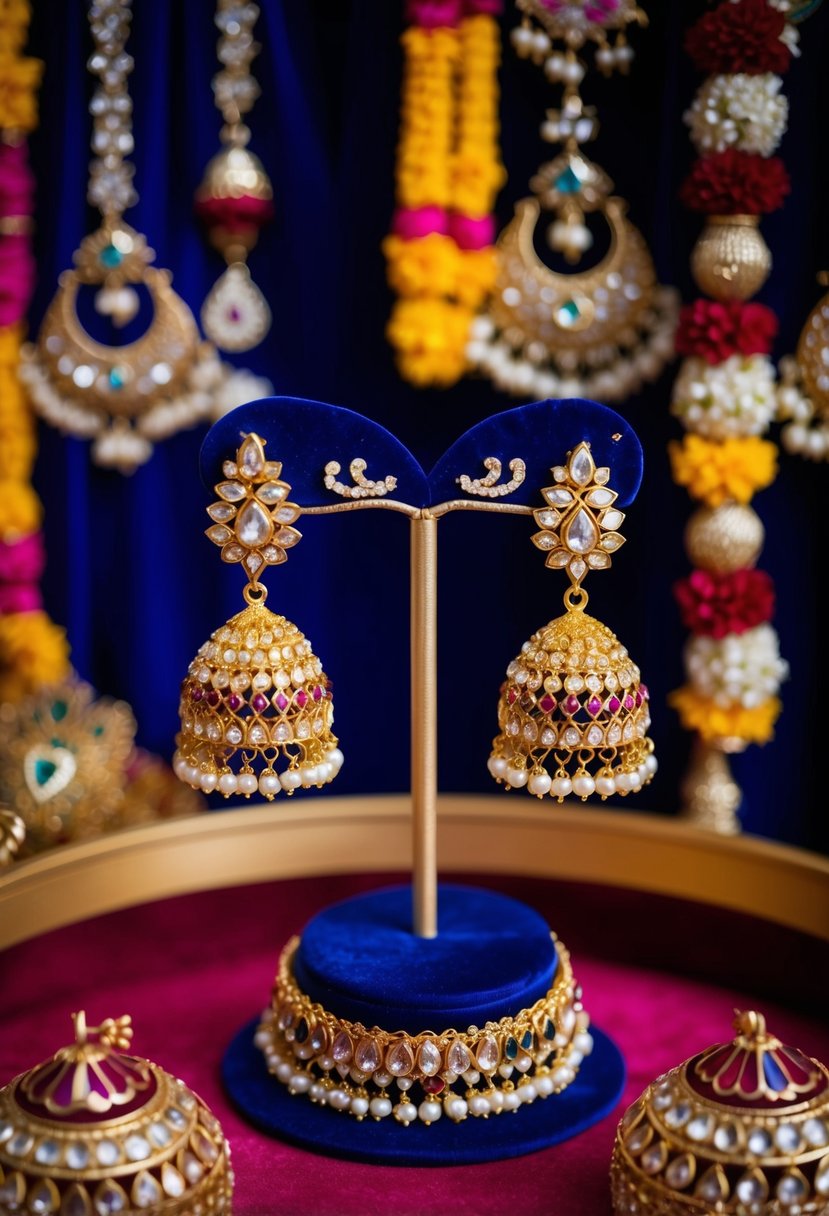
(713, 723)
(440, 256)
(718, 472)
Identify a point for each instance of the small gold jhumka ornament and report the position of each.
(255, 696)
(96, 1130)
(742, 1129)
(573, 713)
(597, 330)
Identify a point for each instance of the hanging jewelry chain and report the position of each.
(110, 175)
(234, 87)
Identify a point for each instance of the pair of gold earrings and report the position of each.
(256, 707)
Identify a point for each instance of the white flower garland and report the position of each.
(739, 111)
(733, 398)
(744, 669)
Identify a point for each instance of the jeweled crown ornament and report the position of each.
(255, 696)
(741, 1128)
(125, 397)
(573, 713)
(601, 330)
(235, 198)
(96, 1130)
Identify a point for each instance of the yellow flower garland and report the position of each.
(447, 158)
(715, 722)
(719, 472)
(33, 650)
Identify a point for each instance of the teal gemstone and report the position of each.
(110, 257)
(568, 181)
(511, 1049)
(59, 710)
(567, 314)
(44, 771)
(117, 377)
(527, 1041)
(549, 1030)
(98, 731)
(56, 742)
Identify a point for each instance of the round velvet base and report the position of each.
(267, 1104)
(360, 960)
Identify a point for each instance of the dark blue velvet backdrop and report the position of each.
(130, 572)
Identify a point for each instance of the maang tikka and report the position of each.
(573, 712)
(598, 331)
(256, 709)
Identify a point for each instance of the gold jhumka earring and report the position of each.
(255, 696)
(573, 712)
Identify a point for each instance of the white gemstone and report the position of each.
(221, 512)
(759, 1142)
(172, 1181)
(429, 1058)
(712, 1185)
(653, 1158)
(271, 493)
(725, 1137)
(77, 1156)
(595, 735)
(581, 466)
(787, 1138)
(577, 567)
(251, 456)
(145, 1190)
(792, 1188)
(612, 519)
(680, 1172)
(159, 1135)
(48, 1152)
(816, 1133)
(548, 736)
(599, 561)
(678, 1115)
(571, 737)
(548, 519)
(231, 491)
(107, 1152)
(558, 497)
(137, 1148)
(600, 498)
(253, 525)
(612, 541)
(580, 535)
(700, 1128)
(750, 1189)
(545, 541)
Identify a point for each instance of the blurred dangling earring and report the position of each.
(573, 713)
(255, 695)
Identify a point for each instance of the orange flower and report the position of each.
(713, 722)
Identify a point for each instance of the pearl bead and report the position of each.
(524, 1063)
(574, 1059)
(269, 784)
(583, 1042)
(479, 1105)
(228, 783)
(247, 783)
(522, 39)
(505, 1070)
(191, 775)
(573, 72)
(300, 1083)
(562, 786)
(605, 786)
(359, 1107)
(309, 776)
(527, 1092)
(517, 777)
(651, 764)
(583, 785)
(560, 1076)
(284, 1072)
(326, 1063)
(289, 780)
(472, 1077)
(380, 1108)
(404, 1083)
(540, 43)
(335, 757)
(624, 782)
(539, 784)
(605, 57)
(496, 1100)
(339, 1099)
(405, 1112)
(429, 1111)
(544, 1085)
(317, 1092)
(207, 781)
(456, 1108)
(497, 766)
(512, 1100)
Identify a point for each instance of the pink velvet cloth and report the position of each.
(191, 971)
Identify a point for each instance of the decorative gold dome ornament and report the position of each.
(255, 695)
(731, 260)
(724, 539)
(123, 397)
(605, 329)
(803, 394)
(573, 713)
(94, 1131)
(742, 1128)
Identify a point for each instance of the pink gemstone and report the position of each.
(594, 706)
(281, 701)
(639, 697)
(571, 705)
(629, 702)
(613, 705)
(301, 698)
(643, 688)
(318, 693)
(547, 703)
(233, 314)
(259, 702)
(433, 1085)
(512, 696)
(196, 694)
(234, 701)
(212, 697)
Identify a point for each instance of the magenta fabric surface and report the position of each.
(191, 971)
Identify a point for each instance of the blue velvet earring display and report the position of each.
(492, 957)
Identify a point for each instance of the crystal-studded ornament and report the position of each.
(573, 713)
(96, 1130)
(743, 1127)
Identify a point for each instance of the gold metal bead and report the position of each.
(234, 173)
(731, 261)
(724, 539)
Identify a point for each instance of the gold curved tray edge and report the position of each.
(476, 834)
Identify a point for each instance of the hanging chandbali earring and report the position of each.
(602, 330)
(255, 695)
(803, 393)
(573, 712)
(235, 198)
(124, 397)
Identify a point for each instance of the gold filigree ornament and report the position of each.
(124, 397)
(601, 330)
(803, 392)
(95, 1130)
(255, 696)
(741, 1129)
(573, 713)
(63, 763)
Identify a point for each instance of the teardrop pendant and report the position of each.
(235, 315)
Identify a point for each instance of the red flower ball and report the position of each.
(243, 214)
(716, 329)
(739, 37)
(736, 183)
(714, 605)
